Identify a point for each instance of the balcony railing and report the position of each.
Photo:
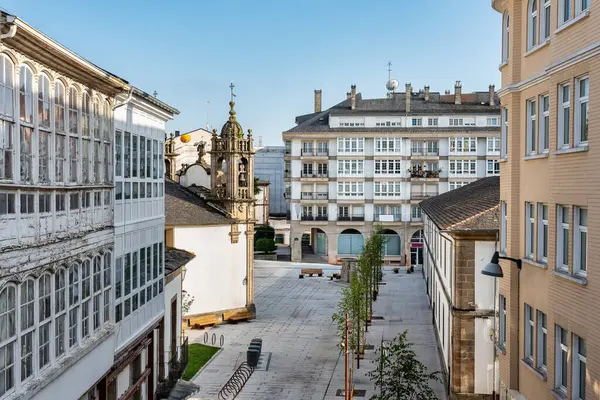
(177, 365)
(314, 196)
(388, 217)
(424, 173)
(311, 175)
(314, 218)
(424, 152)
(351, 217)
(422, 195)
(315, 152)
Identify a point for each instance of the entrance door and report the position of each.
(416, 256)
(321, 243)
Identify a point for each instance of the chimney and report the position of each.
(348, 95)
(407, 96)
(317, 100)
(492, 95)
(353, 97)
(458, 93)
(426, 93)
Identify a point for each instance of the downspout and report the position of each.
(10, 19)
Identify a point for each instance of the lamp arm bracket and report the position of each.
(515, 260)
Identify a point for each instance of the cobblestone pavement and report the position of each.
(294, 322)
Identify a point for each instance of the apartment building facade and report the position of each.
(370, 161)
(548, 336)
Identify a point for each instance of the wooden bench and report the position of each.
(202, 321)
(237, 316)
(310, 272)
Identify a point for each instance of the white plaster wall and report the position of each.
(215, 276)
(195, 175)
(484, 356)
(484, 285)
(188, 152)
(78, 378)
(123, 379)
(172, 289)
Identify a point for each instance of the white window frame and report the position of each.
(581, 101)
(564, 116)
(580, 249)
(531, 127)
(387, 189)
(493, 167)
(388, 145)
(562, 234)
(465, 165)
(351, 145)
(351, 167)
(545, 15)
(504, 226)
(542, 233)
(456, 122)
(505, 37)
(581, 6)
(433, 121)
(388, 167)
(544, 125)
(502, 324)
(417, 122)
(542, 341)
(350, 189)
(561, 363)
(529, 230)
(493, 144)
(529, 332)
(532, 24)
(579, 367)
(564, 11)
(457, 145)
(504, 134)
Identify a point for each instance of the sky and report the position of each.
(276, 52)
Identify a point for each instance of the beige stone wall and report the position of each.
(568, 179)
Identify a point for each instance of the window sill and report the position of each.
(580, 280)
(535, 156)
(568, 150)
(503, 64)
(573, 21)
(529, 365)
(536, 48)
(503, 160)
(500, 349)
(558, 395)
(535, 263)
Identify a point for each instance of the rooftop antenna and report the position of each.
(391, 84)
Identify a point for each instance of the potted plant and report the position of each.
(396, 270)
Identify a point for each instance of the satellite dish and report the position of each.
(392, 84)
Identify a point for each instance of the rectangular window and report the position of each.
(27, 203)
(7, 203)
(582, 5)
(74, 158)
(502, 335)
(564, 117)
(531, 126)
(432, 122)
(350, 167)
(118, 153)
(155, 159)
(127, 154)
(388, 167)
(43, 156)
(561, 363)
(350, 189)
(127, 190)
(493, 121)
(545, 20)
(582, 106)
(542, 341)
(493, 144)
(73, 201)
(579, 367)
(97, 199)
(493, 167)
(148, 157)
(529, 331)
(529, 230)
(504, 133)
(59, 335)
(118, 277)
(142, 157)
(417, 122)
(542, 233)
(85, 160)
(134, 156)
(564, 11)
(463, 167)
(86, 200)
(127, 269)
(463, 145)
(6, 150)
(562, 237)
(544, 123)
(351, 145)
(45, 203)
(580, 217)
(456, 122)
(26, 153)
(60, 156)
(383, 189)
(388, 145)
(97, 162)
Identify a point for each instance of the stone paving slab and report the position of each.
(294, 321)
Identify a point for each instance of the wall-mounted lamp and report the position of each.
(494, 269)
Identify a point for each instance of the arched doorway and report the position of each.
(416, 248)
(392, 243)
(350, 242)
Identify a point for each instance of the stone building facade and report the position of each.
(550, 206)
(460, 230)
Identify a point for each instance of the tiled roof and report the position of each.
(471, 103)
(176, 258)
(471, 207)
(183, 207)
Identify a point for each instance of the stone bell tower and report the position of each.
(232, 187)
(170, 157)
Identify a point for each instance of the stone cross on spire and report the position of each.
(231, 86)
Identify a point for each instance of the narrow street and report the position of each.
(294, 322)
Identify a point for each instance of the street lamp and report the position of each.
(494, 270)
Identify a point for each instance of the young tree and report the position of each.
(399, 375)
(186, 302)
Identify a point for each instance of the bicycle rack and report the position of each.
(237, 381)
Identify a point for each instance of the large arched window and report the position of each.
(60, 311)
(27, 312)
(505, 37)
(8, 336)
(532, 24)
(85, 298)
(73, 304)
(26, 94)
(6, 86)
(59, 106)
(45, 319)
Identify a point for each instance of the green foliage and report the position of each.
(265, 244)
(351, 302)
(399, 375)
(257, 188)
(263, 231)
(198, 355)
(186, 302)
(264, 228)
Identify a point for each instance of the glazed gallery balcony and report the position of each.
(422, 195)
(314, 152)
(314, 196)
(351, 217)
(308, 217)
(306, 175)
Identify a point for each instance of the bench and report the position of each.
(310, 272)
(237, 316)
(202, 321)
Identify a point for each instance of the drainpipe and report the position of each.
(10, 19)
(126, 101)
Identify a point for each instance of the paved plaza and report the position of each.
(294, 322)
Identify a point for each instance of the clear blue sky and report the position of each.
(275, 52)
